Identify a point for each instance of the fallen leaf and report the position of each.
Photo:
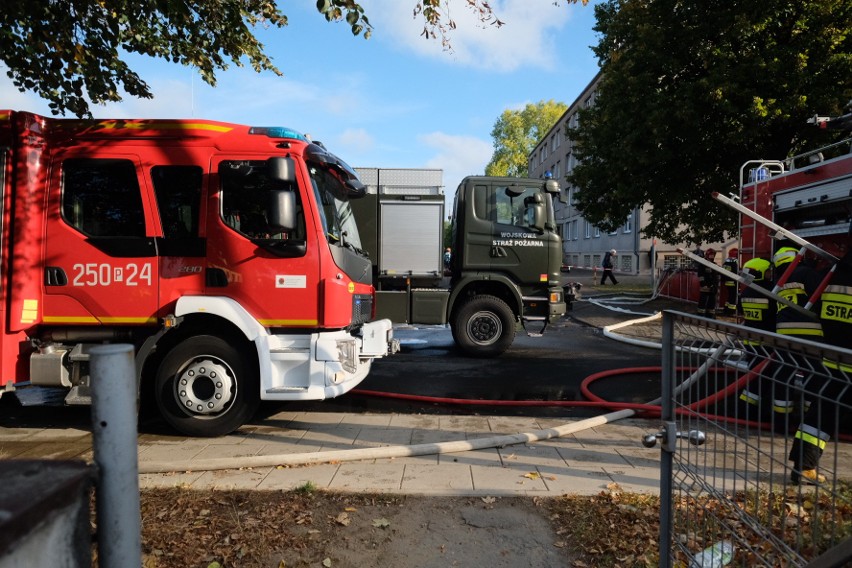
(350, 509)
(489, 500)
(343, 519)
(327, 562)
(381, 523)
(531, 475)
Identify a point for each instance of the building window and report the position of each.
(676, 261)
(576, 231)
(627, 263)
(628, 225)
(587, 261)
(556, 170)
(597, 233)
(588, 230)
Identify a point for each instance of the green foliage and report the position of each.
(307, 488)
(64, 51)
(517, 132)
(72, 52)
(692, 90)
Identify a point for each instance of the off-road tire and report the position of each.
(484, 326)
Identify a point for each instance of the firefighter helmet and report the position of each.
(757, 267)
(710, 253)
(784, 255)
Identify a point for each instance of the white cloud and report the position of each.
(458, 156)
(173, 99)
(356, 141)
(527, 37)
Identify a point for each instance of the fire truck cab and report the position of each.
(226, 254)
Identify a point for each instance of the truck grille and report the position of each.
(362, 308)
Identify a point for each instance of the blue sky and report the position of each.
(393, 101)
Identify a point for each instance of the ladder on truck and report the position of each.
(754, 196)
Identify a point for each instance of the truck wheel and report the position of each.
(484, 326)
(205, 387)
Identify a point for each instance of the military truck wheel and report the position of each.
(484, 326)
(205, 387)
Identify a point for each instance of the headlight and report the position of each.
(347, 352)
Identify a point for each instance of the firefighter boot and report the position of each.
(805, 457)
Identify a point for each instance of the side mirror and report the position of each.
(281, 169)
(281, 210)
(551, 187)
(539, 217)
(355, 189)
(514, 191)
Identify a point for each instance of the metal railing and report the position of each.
(735, 449)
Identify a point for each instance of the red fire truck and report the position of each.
(226, 254)
(809, 195)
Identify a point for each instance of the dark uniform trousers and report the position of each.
(731, 286)
(757, 399)
(792, 381)
(708, 282)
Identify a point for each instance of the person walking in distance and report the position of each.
(607, 267)
(708, 287)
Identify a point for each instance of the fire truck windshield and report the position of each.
(335, 211)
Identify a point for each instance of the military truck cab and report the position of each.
(505, 268)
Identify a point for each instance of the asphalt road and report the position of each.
(546, 368)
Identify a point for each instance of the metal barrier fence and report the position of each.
(743, 412)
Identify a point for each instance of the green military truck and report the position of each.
(504, 273)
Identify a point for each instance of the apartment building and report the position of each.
(584, 244)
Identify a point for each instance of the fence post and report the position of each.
(666, 453)
(113, 382)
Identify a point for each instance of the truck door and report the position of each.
(274, 274)
(100, 255)
(518, 246)
(180, 246)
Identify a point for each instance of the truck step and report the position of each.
(539, 319)
(79, 396)
(40, 396)
(286, 390)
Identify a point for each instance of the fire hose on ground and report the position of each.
(618, 411)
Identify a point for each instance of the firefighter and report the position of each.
(708, 282)
(800, 285)
(820, 421)
(731, 264)
(758, 313)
